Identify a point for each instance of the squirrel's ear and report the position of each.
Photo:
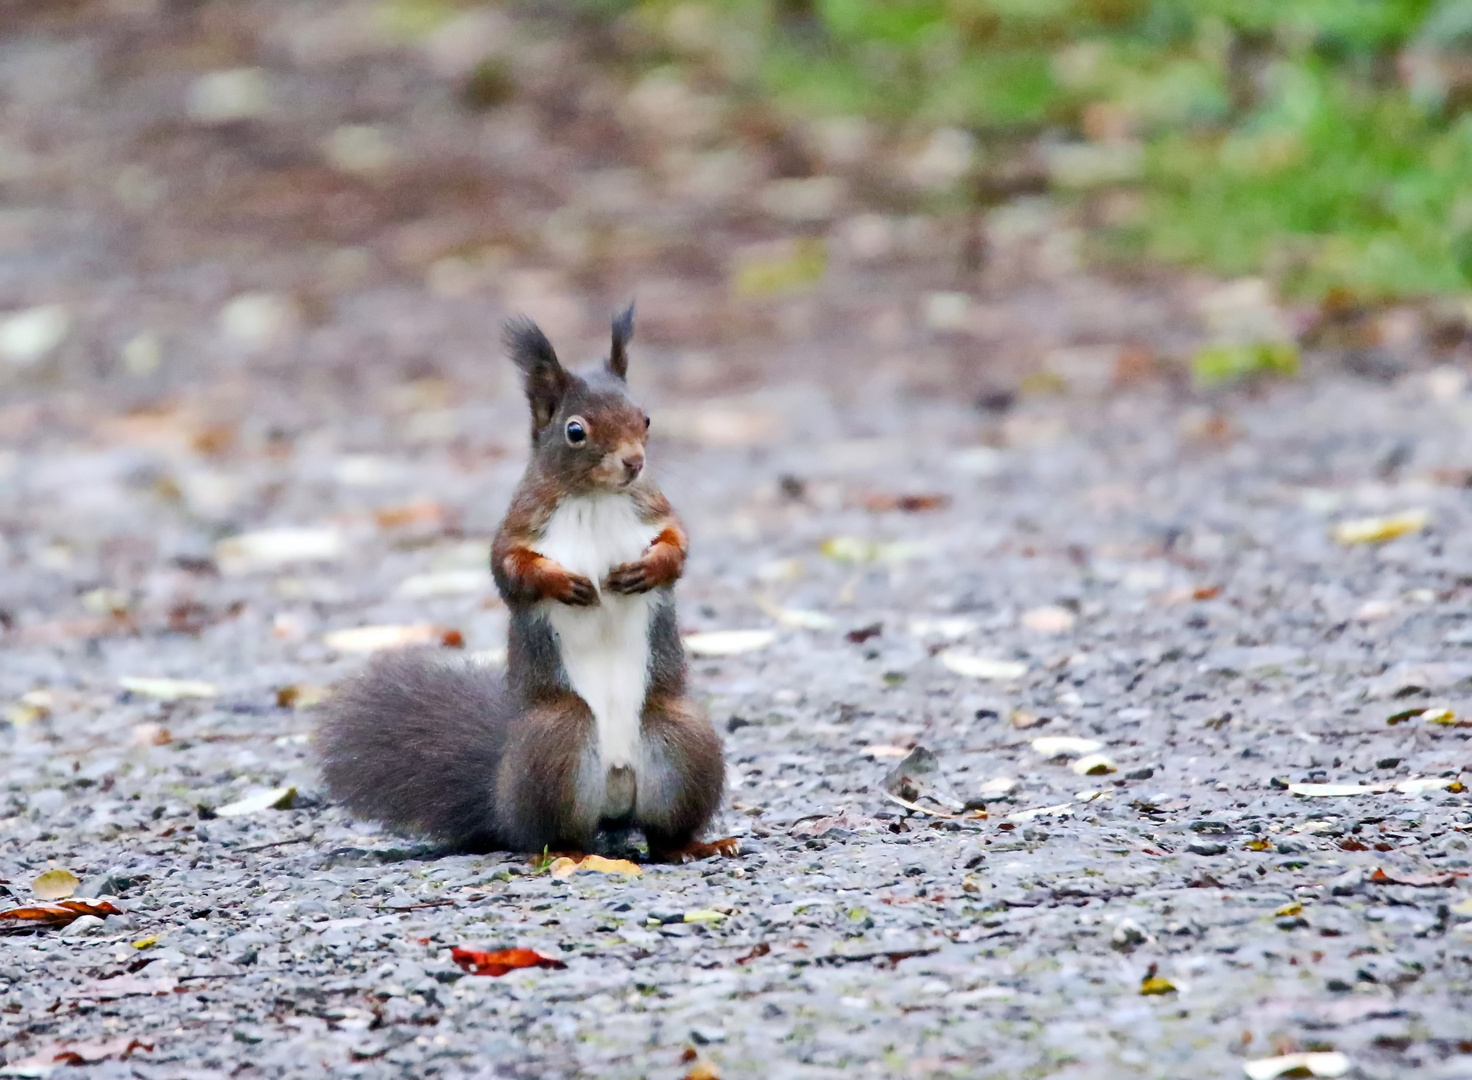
(545, 380)
(623, 333)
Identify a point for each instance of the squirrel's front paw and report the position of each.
(578, 591)
(629, 579)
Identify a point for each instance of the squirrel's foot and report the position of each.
(629, 579)
(728, 847)
(578, 592)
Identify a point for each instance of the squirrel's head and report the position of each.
(585, 430)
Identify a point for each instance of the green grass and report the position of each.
(1318, 142)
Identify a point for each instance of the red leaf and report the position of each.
(60, 913)
(499, 963)
(758, 950)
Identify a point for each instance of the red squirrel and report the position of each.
(591, 730)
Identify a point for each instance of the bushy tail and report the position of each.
(414, 742)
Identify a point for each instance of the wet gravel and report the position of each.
(911, 477)
(1222, 647)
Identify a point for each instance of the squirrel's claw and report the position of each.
(580, 592)
(630, 578)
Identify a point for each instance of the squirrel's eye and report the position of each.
(646, 423)
(576, 432)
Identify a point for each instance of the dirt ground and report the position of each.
(1202, 721)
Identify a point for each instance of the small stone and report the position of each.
(1206, 847)
(1289, 846)
(83, 926)
(28, 337)
(224, 97)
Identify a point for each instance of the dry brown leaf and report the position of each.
(420, 512)
(60, 913)
(499, 963)
(883, 502)
(301, 696)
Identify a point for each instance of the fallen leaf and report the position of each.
(146, 943)
(982, 667)
(271, 548)
(274, 799)
(1417, 785)
(1378, 530)
(150, 733)
(1153, 984)
(421, 512)
(1036, 812)
(864, 633)
(56, 884)
(1418, 881)
(301, 696)
(882, 502)
(704, 915)
(757, 952)
(728, 642)
(499, 963)
(566, 867)
(1444, 717)
(168, 689)
(727, 847)
(1258, 845)
(376, 638)
(703, 1070)
(1023, 720)
(854, 550)
(60, 913)
(1294, 908)
(1051, 746)
(918, 777)
(1329, 1063)
(1094, 765)
(1320, 791)
(798, 618)
(1049, 620)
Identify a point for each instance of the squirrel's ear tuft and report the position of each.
(545, 380)
(623, 333)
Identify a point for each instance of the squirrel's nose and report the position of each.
(633, 463)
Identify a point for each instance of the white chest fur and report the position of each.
(605, 649)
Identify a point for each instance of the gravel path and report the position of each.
(1139, 567)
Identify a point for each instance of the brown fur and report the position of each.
(452, 751)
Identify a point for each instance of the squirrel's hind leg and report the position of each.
(549, 795)
(682, 774)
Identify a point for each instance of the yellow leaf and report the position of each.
(55, 885)
(562, 868)
(610, 866)
(146, 943)
(1156, 985)
(1294, 908)
(704, 915)
(1377, 530)
(1258, 845)
(1444, 717)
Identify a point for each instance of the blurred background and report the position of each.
(254, 255)
(983, 197)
